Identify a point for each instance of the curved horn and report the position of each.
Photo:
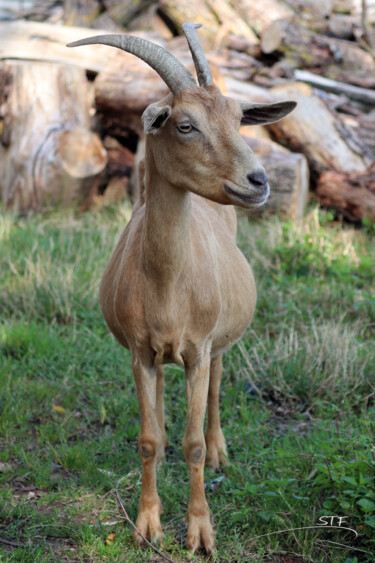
(199, 58)
(174, 74)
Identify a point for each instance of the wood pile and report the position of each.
(70, 118)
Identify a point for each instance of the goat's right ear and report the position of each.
(155, 117)
(261, 114)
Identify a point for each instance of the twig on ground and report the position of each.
(138, 532)
(13, 543)
(330, 477)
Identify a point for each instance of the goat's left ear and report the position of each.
(155, 117)
(260, 114)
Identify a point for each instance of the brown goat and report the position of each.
(177, 289)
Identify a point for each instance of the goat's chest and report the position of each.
(206, 299)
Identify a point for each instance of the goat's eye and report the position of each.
(185, 127)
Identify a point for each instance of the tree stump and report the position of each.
(48, 155)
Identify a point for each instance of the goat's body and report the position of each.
(210, 304)
(177, 289)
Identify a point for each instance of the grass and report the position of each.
(297, 400)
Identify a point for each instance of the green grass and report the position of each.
(297, 400)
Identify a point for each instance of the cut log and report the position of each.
(218, 18)
(247, 92)
(34, 41)
(288, 176)
(115, 192)
(342, 26)
(337, 58)
(364, 126)
(180, 11)
(235, 43)
(318, 133)
(150, 21)
(312, 13)
(124, 12)
(120, 159)
(260, 14)
(353, 195)
(231, 21)
(363, 95)
(48, 155)
(81, 12)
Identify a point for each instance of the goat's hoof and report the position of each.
(148, 523)
(200, 534)
(216, 454)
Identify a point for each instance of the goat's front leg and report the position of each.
(215, 441)
(200, 532)
(149, 443)
(160, 411)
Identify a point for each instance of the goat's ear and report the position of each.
(155, 117)
(260, 114)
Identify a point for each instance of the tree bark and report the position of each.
(48, 155)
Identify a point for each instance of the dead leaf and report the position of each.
(110, 538)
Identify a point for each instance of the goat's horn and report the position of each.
(199, 58)
(174, 74)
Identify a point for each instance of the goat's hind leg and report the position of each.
(215, 441)
(149, 443)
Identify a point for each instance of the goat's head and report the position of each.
(193, 133)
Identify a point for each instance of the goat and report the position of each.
(177, 289)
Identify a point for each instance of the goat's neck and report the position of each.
(166, 232)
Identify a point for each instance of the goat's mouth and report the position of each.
(254, 198)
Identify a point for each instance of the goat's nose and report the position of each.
(259, 178)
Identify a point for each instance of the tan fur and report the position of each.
(177, 288)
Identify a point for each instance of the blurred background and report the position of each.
(54, 99)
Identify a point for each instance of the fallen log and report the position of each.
(353, 195)
(319, 133)
(48, 155)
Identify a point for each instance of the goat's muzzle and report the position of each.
(254, 193)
